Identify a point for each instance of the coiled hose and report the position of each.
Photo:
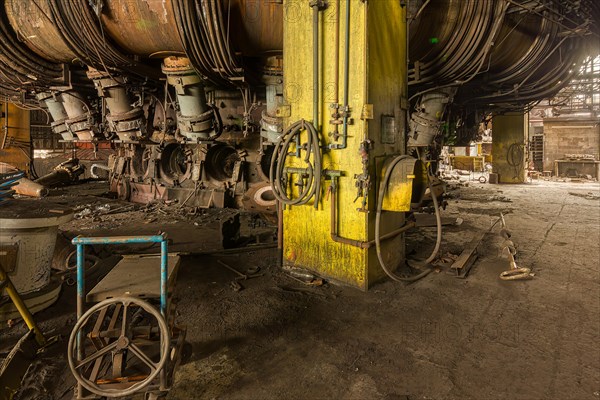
(514, 158)
(312, 172)
(438, 219)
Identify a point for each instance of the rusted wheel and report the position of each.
(114, 348)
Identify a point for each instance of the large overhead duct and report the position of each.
(498, 53)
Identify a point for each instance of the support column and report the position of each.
(509, 139)
(355, 138)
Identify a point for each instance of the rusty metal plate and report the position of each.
(137, 276)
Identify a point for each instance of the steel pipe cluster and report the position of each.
(20, 68)
(203, 32)
(72, 116)
(196, 120)
(499, 54)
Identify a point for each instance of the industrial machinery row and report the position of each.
(330, 113)
(193, 95)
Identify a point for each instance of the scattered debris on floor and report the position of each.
(445, 261)
(465, 261)
(457, 194)
(428, 220)
(250, 273)
(277, 322)
(307, 290)
(100, 209)
(504, 199)
(587, 196)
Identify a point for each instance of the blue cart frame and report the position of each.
(81, 242)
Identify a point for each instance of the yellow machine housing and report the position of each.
(407, 184)
(377, 103)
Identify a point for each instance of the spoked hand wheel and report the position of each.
(116, 348)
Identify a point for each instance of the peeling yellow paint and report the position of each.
(398, 194)
(377, 66)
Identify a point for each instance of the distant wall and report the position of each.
(15, 135)
(86, 157)
(570, 136)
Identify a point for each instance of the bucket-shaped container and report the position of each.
(28, 230)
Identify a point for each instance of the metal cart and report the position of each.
(127, 342)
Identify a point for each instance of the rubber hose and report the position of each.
(438, 219)
(313, 172)
(438, 222)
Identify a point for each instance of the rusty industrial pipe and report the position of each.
(30, 188)
(146, 29)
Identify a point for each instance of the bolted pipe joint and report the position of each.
(57, 111)
(123, 119)
(426, 120)
(271, 124)
(71, 115)
(196, 120)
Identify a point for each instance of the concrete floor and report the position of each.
(439, 338)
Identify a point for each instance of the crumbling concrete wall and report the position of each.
(570, 136)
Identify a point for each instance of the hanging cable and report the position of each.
(514, 158)
(205, 38)
(80, 28)
(461, 68)
(20, 68)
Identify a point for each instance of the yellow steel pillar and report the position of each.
(377, 107)
(509, 146)
(15, 136)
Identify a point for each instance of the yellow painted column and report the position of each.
(377, 93)
(509, 136)
(15, 136)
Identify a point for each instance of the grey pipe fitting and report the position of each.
(196, 120)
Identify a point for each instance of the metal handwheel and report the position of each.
(122, 345)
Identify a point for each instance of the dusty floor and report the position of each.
(442, 337)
